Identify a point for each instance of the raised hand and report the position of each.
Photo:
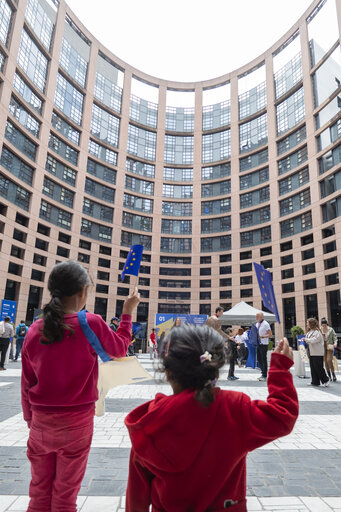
(131, 302)
(285, 349)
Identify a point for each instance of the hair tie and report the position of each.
(205, 357)
(211, 383)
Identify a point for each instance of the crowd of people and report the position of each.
(199, 434)
(9, 336)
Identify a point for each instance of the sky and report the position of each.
(188, 40)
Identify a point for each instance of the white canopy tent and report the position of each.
(244, 314)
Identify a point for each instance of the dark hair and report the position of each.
(219, 308)
(7, 319)
(66, 279)
(180, 357)
(22, 321)
(324, 321)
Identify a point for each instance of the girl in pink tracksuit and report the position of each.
(59, 387)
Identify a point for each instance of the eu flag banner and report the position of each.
(266, 289)
(132, 265)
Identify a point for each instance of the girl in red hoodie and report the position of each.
(189, 449)
(59, 387)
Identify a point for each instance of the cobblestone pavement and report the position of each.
(300, 472)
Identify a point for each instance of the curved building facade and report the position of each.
(209, 176)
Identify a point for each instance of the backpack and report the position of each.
(254, 339)
(22, 331)
(2, 327)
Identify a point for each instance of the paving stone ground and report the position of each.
(301, 472)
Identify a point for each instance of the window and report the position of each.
(69, 100)
(296, 225)
(216, 243)
(216, 146)
(74, 53)
(143, 169)
(308, 254)
(141, 143)
(83, 258)
(308, 269)
(16, 166)
(179, 119)
(205, 283)
(256, 197)
(138, 203)
(329, 247)
(64, 150)
(253, 179)
(309, 284)
(5, 21)
(225, 282)
(27, 94)
(143, 111)
(246, 267)
(32, 61)
(288, 75)
(102, 153)
(246, 255)
(290, 112)
(244, 292)
(177, 191)
(105, 126)
(107, 85)
(288, 287)
(294, 181)
(65, 128)
(294, 160)
(20, 141)
(286, 246)
(291, 140)
(245, 280)
(332, 279)
(216, 207)
(253, 160)
(24, 117)
(330, 263)
(286, 260)
(253, 134)
(255, 237)
(225, 257)
(288, 273)
(216, 171)
(252, 101)
(178, 149)
(140, 186)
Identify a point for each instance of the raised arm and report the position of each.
(116, 343)
(266, 421)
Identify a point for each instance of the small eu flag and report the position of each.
(266, 289)
(132, 265)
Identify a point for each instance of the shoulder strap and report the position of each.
(91, 336)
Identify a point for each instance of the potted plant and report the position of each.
(296, 330)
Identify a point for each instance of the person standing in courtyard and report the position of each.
(189, 449)
(20, 333)
(59, 386)
(114, 323)
(314, 340)
(152, 344)
(214, 322)
(5, 338)
(264, 332)
(330, 342)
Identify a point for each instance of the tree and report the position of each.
(296, 330)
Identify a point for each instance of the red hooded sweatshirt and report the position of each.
(62, 377)
(187, 458)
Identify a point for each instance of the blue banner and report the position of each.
(266, 289)
(164, 322)
(8, 308)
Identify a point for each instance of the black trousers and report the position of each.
(318, 373)
(4, 343)
(262, 357)
(233, 352)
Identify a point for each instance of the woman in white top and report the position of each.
(315, 342)
(240, 339)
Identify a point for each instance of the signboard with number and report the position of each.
(164, 322)
(8, 308)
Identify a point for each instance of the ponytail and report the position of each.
(66, 279)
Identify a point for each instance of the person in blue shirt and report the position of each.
(20, 333)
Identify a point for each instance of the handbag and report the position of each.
(335, 364)
(111, 372)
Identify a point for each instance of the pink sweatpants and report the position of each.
(58, 449)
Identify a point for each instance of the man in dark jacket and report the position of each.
(20, 333)
(114, 323)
